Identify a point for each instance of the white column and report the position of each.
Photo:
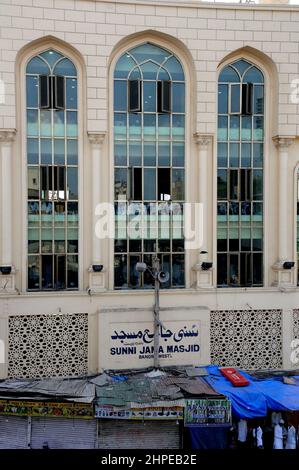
(6, 139)
(96, 140)
(203, 142)
(283, 144)
(283, 277)
(204, 277)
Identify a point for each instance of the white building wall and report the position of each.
(204, 36)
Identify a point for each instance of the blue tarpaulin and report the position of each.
(247, 402)
(208, 438)
(279, 396)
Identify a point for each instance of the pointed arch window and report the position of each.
(240, 155)
(149, 165)
(52, 168)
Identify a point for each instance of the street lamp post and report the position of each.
(159, 277)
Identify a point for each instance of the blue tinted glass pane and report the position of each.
(51, 57)
(45, 123)
(229, 75)
(178, 98)
(149, 184)
(163, 74)
(71, 93)
(71, 124)
(72, 183)
(246, 127)
(120, 95)
(149, 153)
(178, 153)
(175, 69)
(135, 74)
(258, 128)
(164, 126)
(46, 151)
(66, 68)
(120, 125)
(253, 75)
(123, 66)
(241, 66)
(222, 155)
(149, 51)
(120, 153)
(258, 99)
(223, 99)
(38, 66)
(222, 127)
(235, 99)
(134, 125)
(32, 92)
(59, 117)
(72, 152)
(164, 154)
(32, 122)
(59, 152)
(32, 151)
(149, 96)
(135, 155)
(246, 155)
(234, 132)
(178, 126)
(149, 71)
(233, 155)
(149, 126)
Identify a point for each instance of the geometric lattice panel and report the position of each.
(48, 345)
(249, 339)
(296, 323)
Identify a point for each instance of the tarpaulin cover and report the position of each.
(247, 402)
(279, 396)
(208, 437)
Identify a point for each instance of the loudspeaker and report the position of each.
(288, 264)
(5, 269)
(206, 265)
(97, 268)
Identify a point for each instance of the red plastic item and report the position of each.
(237, 379)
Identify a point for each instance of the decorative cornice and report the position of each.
(202, 140)
(96, 138)
(7, 135)
(282, 141)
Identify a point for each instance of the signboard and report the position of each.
(46, 409)
(155, 413)
(177, 340)
(207, 412)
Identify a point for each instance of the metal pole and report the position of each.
(156, 266)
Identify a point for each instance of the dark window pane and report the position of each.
(33, 183)
(257, 269)
(233, 184)
(120, 183)
(150, 184)
(257, 244)
(137, 184)
(221, 244)
(178, 185)
(164, 96)
(72, 272)
(44, 91)
(222, 270)
(164, 184)
(59, 98)
(222, 184)
(135, 276)
(258, 99)
(33, 272)
(149, 245)
(257, 185)
(234, 270)
(222, 99)
(178, 245)
(120, 246)
(47, 271)
(247, 92)
(134, 246)
(120, 95)
(178, 270)
(134, 89)
(60, 272)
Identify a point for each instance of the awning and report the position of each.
(247, 402)
(279, 395)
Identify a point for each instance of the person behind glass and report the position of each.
(242, 433)
(278, 435)
(257, 434)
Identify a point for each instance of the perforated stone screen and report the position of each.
(250, 339)
(48, 345)
(296, 323)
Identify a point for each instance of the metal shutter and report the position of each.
(121, 434)
(62, 433)
(13, 432)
